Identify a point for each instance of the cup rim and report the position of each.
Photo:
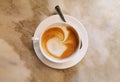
(55, 60)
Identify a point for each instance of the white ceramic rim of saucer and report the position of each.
(73, 22)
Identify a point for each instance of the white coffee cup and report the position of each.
(52, 59)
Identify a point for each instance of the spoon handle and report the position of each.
(60, 13)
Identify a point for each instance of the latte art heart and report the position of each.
(60, 42)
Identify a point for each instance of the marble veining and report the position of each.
(18, 21)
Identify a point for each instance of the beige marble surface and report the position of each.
(18, 21)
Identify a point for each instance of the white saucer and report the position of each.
(72, 21)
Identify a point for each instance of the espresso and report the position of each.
(60, 41)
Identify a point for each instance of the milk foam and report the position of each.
(64, 29)
(55, 47)
(60, 40)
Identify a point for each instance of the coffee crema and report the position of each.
(60, 42)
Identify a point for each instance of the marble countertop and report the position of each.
(18, 21)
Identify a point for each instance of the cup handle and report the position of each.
(35, 38)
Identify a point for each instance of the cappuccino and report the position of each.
(59, 41)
